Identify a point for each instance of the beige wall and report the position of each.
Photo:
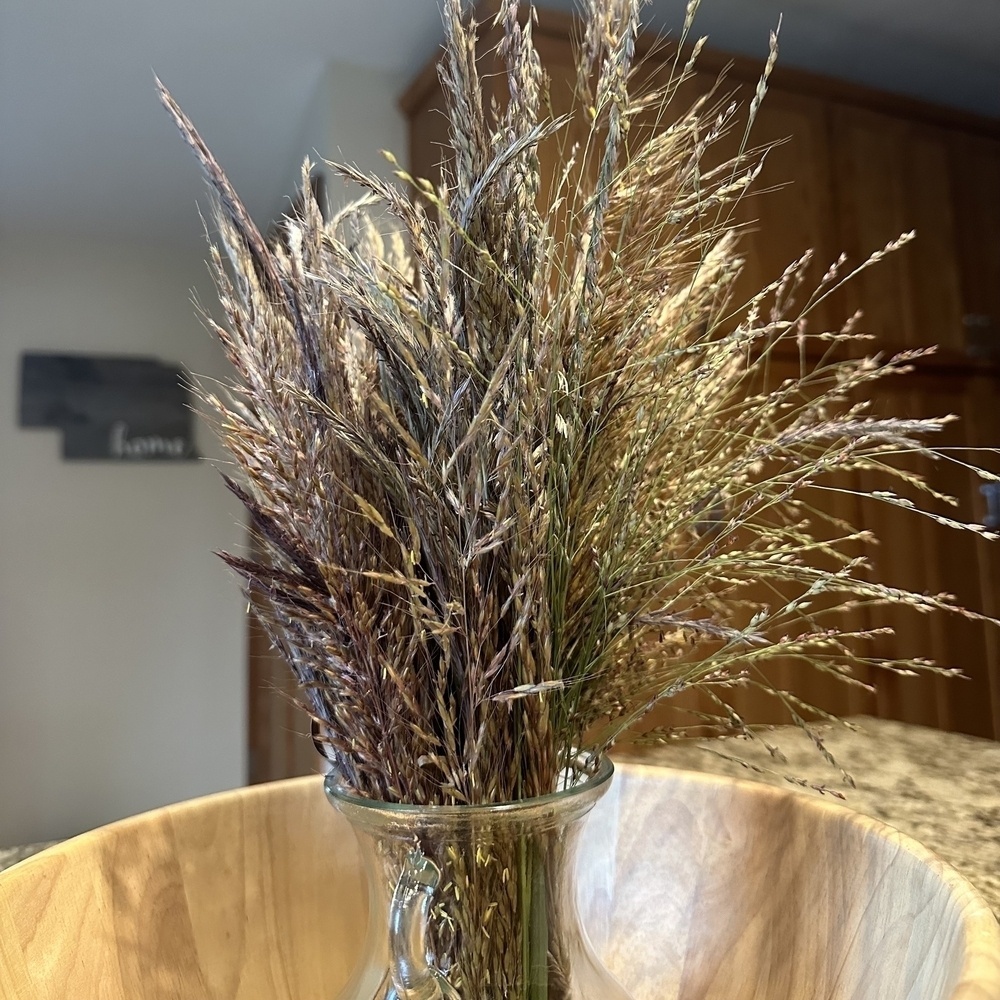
(121, 635)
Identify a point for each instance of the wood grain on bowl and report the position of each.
(722, 889)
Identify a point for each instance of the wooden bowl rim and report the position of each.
(979, 978)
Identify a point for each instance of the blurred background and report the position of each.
(125, 680)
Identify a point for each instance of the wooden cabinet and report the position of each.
(916, 552)
(892, 176)
(852, 171)
(974, 167)
(795, 209)
(280, 743)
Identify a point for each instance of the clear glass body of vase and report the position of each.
(476, 902)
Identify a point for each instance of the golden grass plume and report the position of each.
(512, 451)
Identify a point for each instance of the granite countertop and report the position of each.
(943, 789)
(11, 855)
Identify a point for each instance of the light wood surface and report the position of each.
(722, 889)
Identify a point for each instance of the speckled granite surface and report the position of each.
(11, 855)
(943, 789)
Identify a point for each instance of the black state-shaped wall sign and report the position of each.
(115, 408)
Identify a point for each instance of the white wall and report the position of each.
(122, 637)
(122, 653)
(352, 117)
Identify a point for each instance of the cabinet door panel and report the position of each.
(793, 213)
(891, 177)
(975, 173)
(933, 287)
(919, 554)
(871, 211)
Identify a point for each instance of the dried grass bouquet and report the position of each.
(512, 452)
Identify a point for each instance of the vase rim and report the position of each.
(592, 784)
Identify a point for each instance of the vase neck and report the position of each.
(476, 902)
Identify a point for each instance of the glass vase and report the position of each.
(476, 902)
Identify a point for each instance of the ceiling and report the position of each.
(85, 148)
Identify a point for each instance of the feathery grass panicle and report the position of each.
(511, 452)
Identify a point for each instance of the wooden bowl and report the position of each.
(724, 890)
